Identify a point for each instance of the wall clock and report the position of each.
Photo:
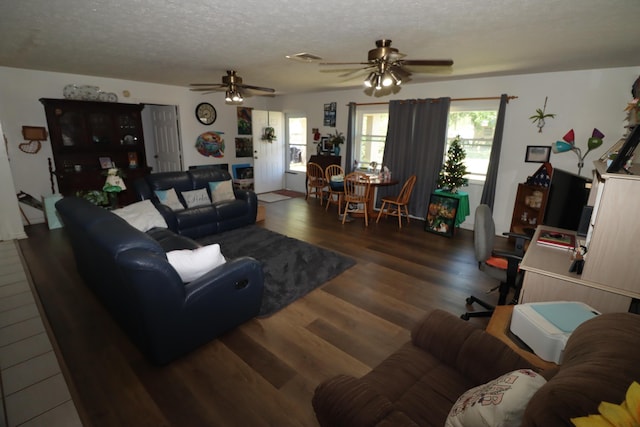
(206, 113)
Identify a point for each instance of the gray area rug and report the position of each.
(292, 268)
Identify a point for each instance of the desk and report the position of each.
(547, 278)
(499, 327)
(463, 205)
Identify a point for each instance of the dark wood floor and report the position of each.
(264, 372)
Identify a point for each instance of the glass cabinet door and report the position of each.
(72, 128)
(100, 125)
(128, 128)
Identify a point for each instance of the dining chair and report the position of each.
(394, 206)
(334, 174)
(316, 182)
(356, 195)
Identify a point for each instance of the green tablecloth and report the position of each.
(463, 205)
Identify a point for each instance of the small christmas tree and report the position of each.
(451, 176)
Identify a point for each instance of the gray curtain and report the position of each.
(415, 144)
(489, 190)
(351, 137)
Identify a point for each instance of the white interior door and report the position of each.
(268, 157)
(162, 139)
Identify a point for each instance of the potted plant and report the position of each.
(336, 140)
(540, 115)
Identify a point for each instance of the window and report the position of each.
(475, 128)
(473, 121)
(371, 135)
(297, 139)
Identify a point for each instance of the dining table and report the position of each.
(376, 182)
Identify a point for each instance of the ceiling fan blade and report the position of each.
(356, 71)
(210, 88)
(394, 56)
(344, 63)
(427, 62)
(262, 89)
(205, 84)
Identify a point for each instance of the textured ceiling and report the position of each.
(181, 41)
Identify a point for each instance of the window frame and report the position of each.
(289, 145)
(358, 140)
(472, 105)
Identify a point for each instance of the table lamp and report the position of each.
(568, 144)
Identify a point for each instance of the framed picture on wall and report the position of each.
(325, 145)
(330, 114)
(105, 162)
(441, 215)
(538, 153)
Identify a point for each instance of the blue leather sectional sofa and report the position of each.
(128, 271)
(199, 221)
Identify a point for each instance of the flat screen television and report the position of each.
(568, 194)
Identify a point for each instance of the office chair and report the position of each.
(500, 265)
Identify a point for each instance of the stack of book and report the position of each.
(557, 239)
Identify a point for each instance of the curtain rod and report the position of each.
(452, 99)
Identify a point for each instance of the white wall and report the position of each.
(581, 100)
(21, 89)
(10, 221)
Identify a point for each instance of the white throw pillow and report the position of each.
(169, 198)
(498, 403)
(195, 198)
(191, 264)
(221, 191)
(141, 215)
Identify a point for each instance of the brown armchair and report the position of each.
(419, 383)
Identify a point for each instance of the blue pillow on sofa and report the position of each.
(221, 191)
(169, 198)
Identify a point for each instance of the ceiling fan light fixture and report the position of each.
(378, 81)
(397, 80)
(387, 80)
(228, 96)
(370, 80)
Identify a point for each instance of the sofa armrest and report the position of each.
(442, 334)
(252, 200)
(233, 276)
(347, 401)
(167, 214)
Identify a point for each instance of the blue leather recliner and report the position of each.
(128, 271)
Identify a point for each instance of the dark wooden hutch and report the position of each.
(87, 136)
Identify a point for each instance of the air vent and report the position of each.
(304, 57)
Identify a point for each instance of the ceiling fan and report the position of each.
(232, 85)
(387, 65)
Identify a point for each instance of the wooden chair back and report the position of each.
(407, 189)
(356, 187)
(315, 174)
(333, 170)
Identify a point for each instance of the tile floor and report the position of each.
(34, 391)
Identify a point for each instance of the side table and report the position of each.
(499, 327)
(463, 206)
